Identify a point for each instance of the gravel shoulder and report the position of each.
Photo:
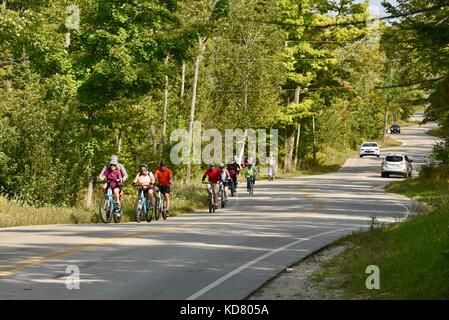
(297, 282)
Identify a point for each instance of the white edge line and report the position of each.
(250, 263)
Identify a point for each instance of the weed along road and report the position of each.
(225, 255)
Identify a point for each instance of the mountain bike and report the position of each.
(223, 200)
(161, 205)
(143, 207)
(210, 198)
(270, 173)
(251, 185)
(232, 186)
(108, 208)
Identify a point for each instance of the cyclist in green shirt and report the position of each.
(250, 173)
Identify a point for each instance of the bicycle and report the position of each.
(251, 185)
(210, 198)
(161, 206)
(270, 173)
(222, 195)
(232, 186)
(108, 208)
(143, 207)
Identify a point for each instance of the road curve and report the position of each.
(226, 255)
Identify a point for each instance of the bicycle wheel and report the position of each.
(222, 198)
(209, 200)
(164, 208)
(157, 209)
(105, 210)
(149, 214)
(117, 218)
(138, 210)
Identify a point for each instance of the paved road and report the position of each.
(226, 255)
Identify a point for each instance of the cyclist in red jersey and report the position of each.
(164, 179)
(214, 175)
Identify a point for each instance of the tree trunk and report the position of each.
(67, 39)
(183, 80)
(202, 47)
(90, 194)
(241, 146)
(384, 135)
(298, 135)
(118, 142)
(153, 138)
(314, 139)
(164, 117)
(298, 129)
(290, 142)
(245, 102)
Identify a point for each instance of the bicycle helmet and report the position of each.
(221, 165)
(144, 165)
(162, 163)
(212, 164)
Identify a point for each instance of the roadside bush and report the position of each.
(435, 175)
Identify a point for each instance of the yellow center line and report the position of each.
(60, 253)
(54, 255)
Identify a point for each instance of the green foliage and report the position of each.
(65, 110)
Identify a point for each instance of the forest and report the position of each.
(81, 80)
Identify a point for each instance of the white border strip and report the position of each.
(252, 262)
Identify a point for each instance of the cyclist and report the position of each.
(122, 169)
(164, 178)
(114, 177)
(225, 178)
(271, 166)
(214, 176)
(250, 172)
(248, 161)
(145, 179)
(234, 169)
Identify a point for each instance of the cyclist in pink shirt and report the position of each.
(114, 178)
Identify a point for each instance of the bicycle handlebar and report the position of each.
(142, 185)
(110, 180)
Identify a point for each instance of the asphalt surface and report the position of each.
(226, 255)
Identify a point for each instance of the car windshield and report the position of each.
(394, 158)
(369, 145)
(395, 126)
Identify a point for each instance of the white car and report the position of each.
(369, 149)
(397, 164)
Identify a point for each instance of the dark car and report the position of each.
(395, 128)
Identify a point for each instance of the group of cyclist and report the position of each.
(228, 177)
(114, 175)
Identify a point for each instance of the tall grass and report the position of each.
(185, 198)
(413, 256)
(13, 214)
